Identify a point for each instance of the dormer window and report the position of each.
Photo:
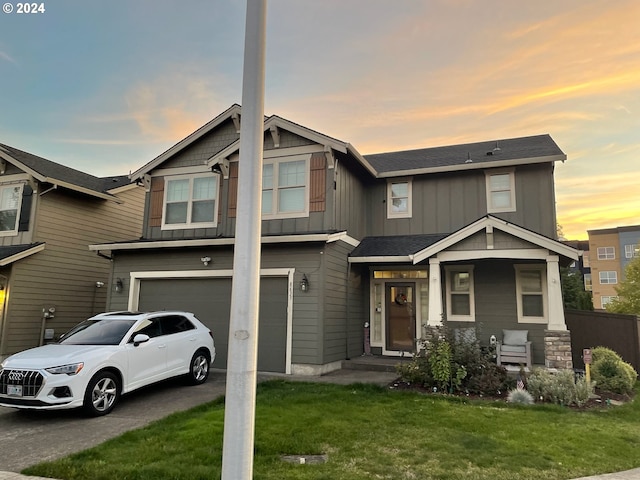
(399, 199)
(501, 191)
(10, 197)
(190, 201)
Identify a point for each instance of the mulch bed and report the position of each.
(601, 400)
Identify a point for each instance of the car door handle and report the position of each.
(162, 346)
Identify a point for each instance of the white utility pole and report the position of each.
(240, 402)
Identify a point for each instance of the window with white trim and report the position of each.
(631, 251)
(606, 253)
(588, 286)
(399, 199)
(190, 201)
(608, 277)
(10, 200)
(285, 193)
(501, 191)
(606, 300)
(460, 294)
(531, 288)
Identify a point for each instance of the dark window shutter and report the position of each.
(25, 208)
(157, 197)
(317, 192)
(233, 190)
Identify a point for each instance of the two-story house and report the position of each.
(397, 240)
(49, 214)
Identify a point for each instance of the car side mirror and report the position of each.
(140, 338)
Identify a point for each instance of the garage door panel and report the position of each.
(210, 300)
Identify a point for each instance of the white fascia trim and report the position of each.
(398, 259)
(343, 236)
(164, 172)
(136, 277)
(123, 188)
(474, 166)
(206, 128)
(207, 242)
(519, 254)
(494, 222)
(6, 156)
(365, 163)
(71, 186)
(21, 255)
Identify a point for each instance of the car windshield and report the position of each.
(97, 332)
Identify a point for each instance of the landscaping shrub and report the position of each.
(453, 363)
(611, 373)
(519, 395)
(561, 387)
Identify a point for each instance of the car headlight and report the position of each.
(71, 369)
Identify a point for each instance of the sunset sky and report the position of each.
(105, 87)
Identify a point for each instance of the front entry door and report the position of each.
(400, 316)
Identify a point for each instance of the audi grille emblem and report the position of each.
(16, 376)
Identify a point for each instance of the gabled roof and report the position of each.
(232, 112)
(275, 122)
(493, 153)
(56, 174)
(13, 253)
(418, 248)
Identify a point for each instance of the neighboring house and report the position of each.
(611, 251)
(397, 240)
(49, 214)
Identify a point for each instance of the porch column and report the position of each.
(435, 293)
(554, 294)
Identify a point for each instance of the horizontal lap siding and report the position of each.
(65, 273)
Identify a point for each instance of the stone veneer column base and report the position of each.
(557, 349)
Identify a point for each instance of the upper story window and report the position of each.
(501, 191)
(10, 199)
(399, 199)
(284, 187)
(631, 251)
(606, 253)
(190, 201)
(608, 277)
(531, 281)
(460, 294)
(588, 286)
(585, 260)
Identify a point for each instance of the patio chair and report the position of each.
(514, 348)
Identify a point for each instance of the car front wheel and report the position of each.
(199, 368)
(102, 394)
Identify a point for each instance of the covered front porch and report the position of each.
(488, 277)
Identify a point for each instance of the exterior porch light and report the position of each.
(304, 283)
(119, 285)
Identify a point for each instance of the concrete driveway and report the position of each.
(30, 437)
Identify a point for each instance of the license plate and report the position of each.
(15, 390)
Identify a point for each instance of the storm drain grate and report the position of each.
(304, 459)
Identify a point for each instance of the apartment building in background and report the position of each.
(611, 250)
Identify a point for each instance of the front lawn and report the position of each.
(369, 432)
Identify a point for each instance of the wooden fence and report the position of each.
(620, 333)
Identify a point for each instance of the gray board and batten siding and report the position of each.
(317, 315)
(445, 202)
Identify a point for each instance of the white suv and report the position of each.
(105, 356)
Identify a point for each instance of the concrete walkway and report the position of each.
(139, 409)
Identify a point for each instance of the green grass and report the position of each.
(370, 432)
